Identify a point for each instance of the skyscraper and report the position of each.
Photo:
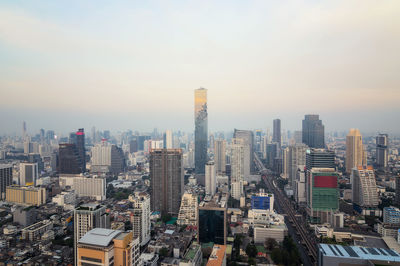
(211, 181)
(296, 155)
(141, 216)
(382, 151)
(313, 132)
(237, 167)
(166, 174)
(28, 174)
(248, 146)
(220, 156)
(24, 134)
(320, 158)
(6, 177)
(69, 159)
(168, 140)
(276, 137)
(355, 154)
(80, 145)
(107, 157)
(365, 193)
(201, 130)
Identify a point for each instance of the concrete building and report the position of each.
(24, 216)
(320, 158)
(107, 158)
(262, 201)
(200, 131)
(300, 185)
(382, 151)
(211, 181)
(355, 154)
(237, 189)
(391, 215)
(168, 140)
(296, 155)
(141, 216)
(28, 174)
(69, 161)
(276, 132)
(364, 190)
(248, 149)
(108, 247)
(218, 256)
(313, 132)
(66, 199)
(220, 156)
(166, 174)
(85, 186)
(193, 256)
(24, 195)
(35, 231)
(6, 177)
(188, 210)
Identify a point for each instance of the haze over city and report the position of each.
(134, 65)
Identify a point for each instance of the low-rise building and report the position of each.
(35, 231)
(193, 256)
(26, 195)
(218, 256)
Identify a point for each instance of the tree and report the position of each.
(270, 243)
(251, 250)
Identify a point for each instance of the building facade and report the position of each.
(140, 218)
(364, 190)
(188, 210)
(313, 132)
(354, 150)
(34, 196)
(211, 178)
(248, 149)
(382, 150)
(220, 156)
(6, 177)
(201, 130)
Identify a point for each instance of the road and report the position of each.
(296, 224)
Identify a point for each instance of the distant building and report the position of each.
(80, 145)
(93, 186)
(248, 149)
(382, 151)
(211, 180)
(300, 185)
(364, 190)
(28, 174)
(24, 216)
(262, 201)
(320, 158)
(220, 156)
(276, 134)
(24, 195)
(201, 130)
(107, 157)
(355, 153)
(6, 177)
(108, 247)
(166, 175)
(296, 155)
(140, 218)
(69, 159)
(35, 231)
(168, 140)
(188, 210)
(212, 220)
(313, 132)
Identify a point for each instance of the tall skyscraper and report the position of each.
(382, 151)
(276, 137)
(28, 174)
(201, 130)
(296, 155)
(211, 180)
(166, 174)
(248, 144)
(141, 216)
(80, 145)
(69, 159)
(313, 132)
(220, 156)
(86, 217)
(24, 134)
(168, 140)
(237, 167)
(355, 154)
(365, 193)
(6, 176)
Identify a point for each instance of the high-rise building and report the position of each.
(220, 156)
(320, 158)
(296, 155)
(313, 132)
(213, 220)
(322, 194)
(168, 140)
(101, 246)
(276, 137)
(271, 153)
(382, 151)
(133, 146)
(34, 196)
(248, 147)
(237, 160)
(354, 150)
(300, 185)
(365, 192)
(80, 145)
(28, 174)
(188, 210)
(24, 133)
(211, 179)
(6, 177)
(87, 217)
(140, 218)
(166, 174)
(108, 158)
(68, 159)
(201, 131)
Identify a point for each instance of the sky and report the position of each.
(122, 65)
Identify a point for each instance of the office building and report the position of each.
(211, 179)
(322, 194)
(364, 190)
(337, 255)
(166, 175)
(28, 174)
(237, 190)
(218, 256)
(296, 155)
(391, 215)
(6, 177)
(276, 132)
(94, 187)
(168, 140)
(248, 149)
(220, 156)
(140, 218)
(133, 146)
(300, 185)
(69, 159)
(262, 201)
(188, 210)
(101, 246)
(80, 145)
(382, 151)
(107, 158)
(35, 231)
(237, 160)
(354, 150)
(212, 220)
(313, 132)
(271, 154)
(200, 132)
(34, 196)
(320, 158)
(87, 217)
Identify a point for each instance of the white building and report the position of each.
(300, 185)
(295, 156)
(237, 189)
(188, 210)
(365, 193)
(211, 181)
(107, 157)
(237, 160)
(28, 174)
(66, 199)
(168, 140)
(94, 186)
(220, 156)
(140, 218)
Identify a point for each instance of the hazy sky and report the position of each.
(135, 64)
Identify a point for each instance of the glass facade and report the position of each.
(212, 226)
(201, 130)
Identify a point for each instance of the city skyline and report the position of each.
(259, 61)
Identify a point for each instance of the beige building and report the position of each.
(26, 195)
(140, 218)
(220, 156)
(355, 153)
(188, 210)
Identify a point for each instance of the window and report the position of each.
(91, 259)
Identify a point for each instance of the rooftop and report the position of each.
(217, 255)
(356, 252)
(99, 237)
